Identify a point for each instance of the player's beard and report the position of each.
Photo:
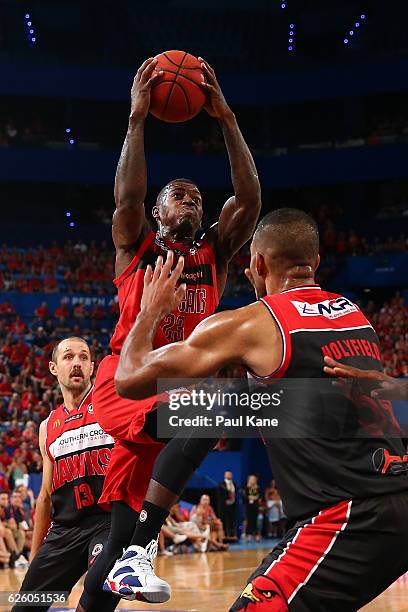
(186, 228)
(77, 387)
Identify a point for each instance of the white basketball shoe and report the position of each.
(132, 577)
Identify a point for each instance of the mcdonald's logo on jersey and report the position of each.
(56, 424)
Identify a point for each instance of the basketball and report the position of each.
(177, 95)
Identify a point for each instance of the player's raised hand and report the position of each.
(141, 88)
(216, 105)
(161, 293)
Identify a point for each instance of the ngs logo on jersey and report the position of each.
(331, 309)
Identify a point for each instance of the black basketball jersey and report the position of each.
(80, 451)
(335, 447)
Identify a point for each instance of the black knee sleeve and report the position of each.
(178, 461)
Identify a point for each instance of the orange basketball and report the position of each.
(177, 96)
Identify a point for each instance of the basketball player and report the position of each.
(386, 387)
(350, 535)
(70, 529)
(178, 213)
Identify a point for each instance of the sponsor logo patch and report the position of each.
(330, 309)
(74, 417)
(143, 516)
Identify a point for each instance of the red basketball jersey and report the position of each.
(201, 299)
(80, 452)
(329, 448)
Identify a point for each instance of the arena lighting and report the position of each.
(71, 139)
(31, 35)
(291, 39)
(70, 222)
(352, 32)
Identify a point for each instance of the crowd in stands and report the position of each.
(391, 324)
(71, 268)
(78, 268)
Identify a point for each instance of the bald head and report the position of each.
(290, 235)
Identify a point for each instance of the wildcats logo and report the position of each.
(331, 309)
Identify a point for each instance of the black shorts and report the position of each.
(65, 555)
(337, 561)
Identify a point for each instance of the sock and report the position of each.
(149, 524)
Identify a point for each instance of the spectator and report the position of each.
(14, 535)
(18, 471)
(252, 496)
(19, 514)
(41, 312)
(79, 311)
(227, 504)
(36, 465)
(4, 553)
(274, 511)
(28, 501)
(62, 310)
(4, 485)
(167, 533)
(204, 516)
(178, 524)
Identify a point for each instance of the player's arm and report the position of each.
(240, 213)
(389, 388)
(44, 506)
(232, 337)
(216, 342)
(129, 220)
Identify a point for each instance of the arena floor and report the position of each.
(210, 582)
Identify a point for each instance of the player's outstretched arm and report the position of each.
(44, 506)
(240, 213)
(131, 176)
(218, 341)
(389, 388)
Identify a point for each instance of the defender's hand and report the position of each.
(389, 388)
(216, 105)
(161, 294)
(145, 77)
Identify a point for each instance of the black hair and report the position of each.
(292, 231)
(165, 188)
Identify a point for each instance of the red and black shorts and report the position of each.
(135, 450)
(337, 561)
